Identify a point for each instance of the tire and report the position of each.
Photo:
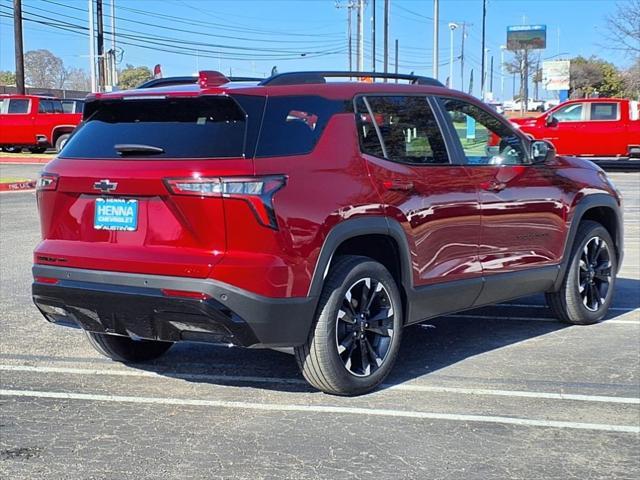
(125, 349)
(61, 140)
(580, 300)
(38, 149)
(12, 149)
(332, 360)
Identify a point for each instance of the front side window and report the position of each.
(18, 105)
(409, 132)
(484, 138)
(570, 113)
(604, 111)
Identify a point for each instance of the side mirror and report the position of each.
(542, 151)
(551, 121)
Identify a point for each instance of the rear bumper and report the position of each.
(135, 305)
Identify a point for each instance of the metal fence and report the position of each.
(54, 92)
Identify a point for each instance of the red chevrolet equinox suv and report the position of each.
(311, 213)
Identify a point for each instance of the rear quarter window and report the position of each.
(292, 125)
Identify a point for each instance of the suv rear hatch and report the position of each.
(137, 188)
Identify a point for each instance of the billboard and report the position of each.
(556, 74)
(520, 37)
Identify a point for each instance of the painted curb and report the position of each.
(17, 186)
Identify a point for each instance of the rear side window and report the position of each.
(292, 125)
(203, 127)
(409, 131)
(18, 105)
(604, 111)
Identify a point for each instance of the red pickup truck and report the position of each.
(589, 127)
(34, 122)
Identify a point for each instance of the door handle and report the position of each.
(494, 186)
(398, 185)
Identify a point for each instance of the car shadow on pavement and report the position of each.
(426, 348)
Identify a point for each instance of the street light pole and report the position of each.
(452, 27)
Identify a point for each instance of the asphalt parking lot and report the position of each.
(499, 392)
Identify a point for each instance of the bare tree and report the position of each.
(523, 64)
(44, 70)
(624, 27)
(77, 79)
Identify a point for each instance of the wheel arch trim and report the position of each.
(359, 227)
(587, 203)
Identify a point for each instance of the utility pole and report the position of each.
(19, 46)
(452, 27)
(397, 54)
(436, 32)
(92, 48)
(491, 76)
(485, 61)
(373, 36)
(484, 28)
(114, 71)
(360, 35)
(464, 35)
(101, 76)
(349, 6)
(386, 37)
(502, 49)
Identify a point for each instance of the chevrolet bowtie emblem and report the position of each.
(105, 186)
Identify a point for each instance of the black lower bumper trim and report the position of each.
(136, 307)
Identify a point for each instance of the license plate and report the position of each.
(116, 214)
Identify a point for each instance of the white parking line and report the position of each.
(295, 381)
(326, 409)
(529, 305)
(544, 319)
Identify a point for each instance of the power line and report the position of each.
(191, 46)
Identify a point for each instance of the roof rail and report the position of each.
(187, 80)
(296, 78)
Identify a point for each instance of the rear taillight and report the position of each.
(258, 192)
(47, 181)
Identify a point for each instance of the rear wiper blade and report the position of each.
(137, 149)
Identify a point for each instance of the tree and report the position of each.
(624, 27)
(524, 64)
(132, 76)
(77, 79)
(631, 80)
(7, 77)
(42, 69)
(594, 75)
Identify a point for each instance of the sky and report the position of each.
(249, 37)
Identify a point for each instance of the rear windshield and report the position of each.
(203, 127)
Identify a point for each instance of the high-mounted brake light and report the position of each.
(258, 192)
(211, 78)
(47, 181)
